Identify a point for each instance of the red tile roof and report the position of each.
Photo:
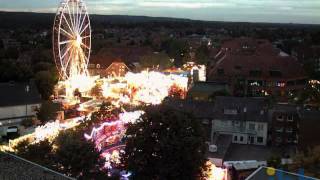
(242, 55)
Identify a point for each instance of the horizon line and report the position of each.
(179, 18)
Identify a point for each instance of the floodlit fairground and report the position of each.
(84, 93)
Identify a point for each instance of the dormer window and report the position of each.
(290, 118)
(230, 111)
(280, 118)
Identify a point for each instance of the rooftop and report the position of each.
(16, 168)
(255, 58)
(241, 108)
(288, 108)
(201, 109)
(262, 174)
(13, 94)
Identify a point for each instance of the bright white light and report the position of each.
(145, 87)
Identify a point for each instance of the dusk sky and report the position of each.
(287, 11)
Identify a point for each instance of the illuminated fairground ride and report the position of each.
(72, 39)
(72, 46)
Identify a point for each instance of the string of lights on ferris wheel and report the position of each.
(72, 39)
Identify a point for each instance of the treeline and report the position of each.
(15, 20)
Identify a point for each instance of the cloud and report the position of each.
(179, 4)
(229, 10)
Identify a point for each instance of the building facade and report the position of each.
(284, 128)
(19, 101)
(254, 67)
(246, 119)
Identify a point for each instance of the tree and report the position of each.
(27, 122)
(45, 81)
(310, 94)
(42, 55)
(175, 49)
(40, 153)
(309, 161)
(48, 111)
(156, 60)
(202, 55)
(12, 53)
(78, 157)
(274, 161)
(165, 144)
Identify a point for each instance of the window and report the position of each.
(252, 126)
(230, 111)
(255, 83)
(260, 139)
(279, 129)
(220, 71)
(235, 123)
(280, 84)
(290, 118)
(260, 127)
(289, 130)
(241, 138)
(205, 121)
(279, 140)
(280, 118)
(235, 138)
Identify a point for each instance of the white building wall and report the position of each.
(13, 115)
(261, 128)
(18, 111)
(242, 137)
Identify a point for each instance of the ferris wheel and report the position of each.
(72, 39)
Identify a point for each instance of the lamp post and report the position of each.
(27, 91)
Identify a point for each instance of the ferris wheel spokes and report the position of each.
(72, 39)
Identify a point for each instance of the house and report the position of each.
(254, 67)
(245, 119)
(117, 69)
(19, 101)
(284, 124)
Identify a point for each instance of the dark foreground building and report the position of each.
(15, 168)
(263, 173)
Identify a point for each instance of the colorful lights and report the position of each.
(216, 173)
(144, 88)
(108, 136)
